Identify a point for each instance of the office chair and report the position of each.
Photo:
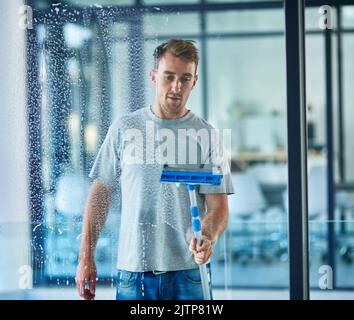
(246, 207)
(317, 211)
(71, 194)
(62, 238)
(345, 206)
(273, 179)
(318, 192)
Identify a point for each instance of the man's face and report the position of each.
(174, 80)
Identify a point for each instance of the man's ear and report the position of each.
(152, 75)
(195, 81)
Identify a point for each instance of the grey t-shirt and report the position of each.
(155, 228)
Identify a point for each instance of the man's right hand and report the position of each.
(86, 274)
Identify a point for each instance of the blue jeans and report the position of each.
(171, 285)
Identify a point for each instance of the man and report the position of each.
(155, 232)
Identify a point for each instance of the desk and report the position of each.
(259, 157)
(275, 156)
(345, 186)
(274, 194)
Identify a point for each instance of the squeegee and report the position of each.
(192, 176)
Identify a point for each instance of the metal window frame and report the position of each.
(297, 149)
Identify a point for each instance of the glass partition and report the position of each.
(330, 229)
(88, 63)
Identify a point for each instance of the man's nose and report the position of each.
(176, 86)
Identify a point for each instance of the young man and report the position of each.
(157, 254)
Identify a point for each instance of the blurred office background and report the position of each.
(83, 63)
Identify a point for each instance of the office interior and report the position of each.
(77, 65)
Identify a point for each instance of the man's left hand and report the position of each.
(202, 253)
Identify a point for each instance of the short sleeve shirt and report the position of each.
(155, 228)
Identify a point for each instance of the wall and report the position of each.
(14, 208)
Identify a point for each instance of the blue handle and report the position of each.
(196, 225)
(197, 229)
(194, 212)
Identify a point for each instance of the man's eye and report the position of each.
(169, 78)
(186, 79)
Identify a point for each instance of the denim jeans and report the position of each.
(171, 285)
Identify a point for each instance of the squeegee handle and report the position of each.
(197, 230)
(196, 224)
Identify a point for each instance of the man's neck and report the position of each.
(160, 113)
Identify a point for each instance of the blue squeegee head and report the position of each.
(191, 177)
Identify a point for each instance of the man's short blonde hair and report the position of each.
(183, 49)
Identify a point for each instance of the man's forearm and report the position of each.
(94, 218)
(214, 224)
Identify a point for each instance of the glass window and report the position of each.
(41, 4)
(348, 98)
(348, 16)
(222, 1)
(169, 2)
(344, 197)
(74, 126)
(181, 24)
(101, 3)
(245, 20)
(89, 72)
(243, 82)
(323, 274)
(315, 89)
(120, 32)
(243, 75)
(96, 79)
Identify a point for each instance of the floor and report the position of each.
(104, 293)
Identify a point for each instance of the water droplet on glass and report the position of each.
(34, 229)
